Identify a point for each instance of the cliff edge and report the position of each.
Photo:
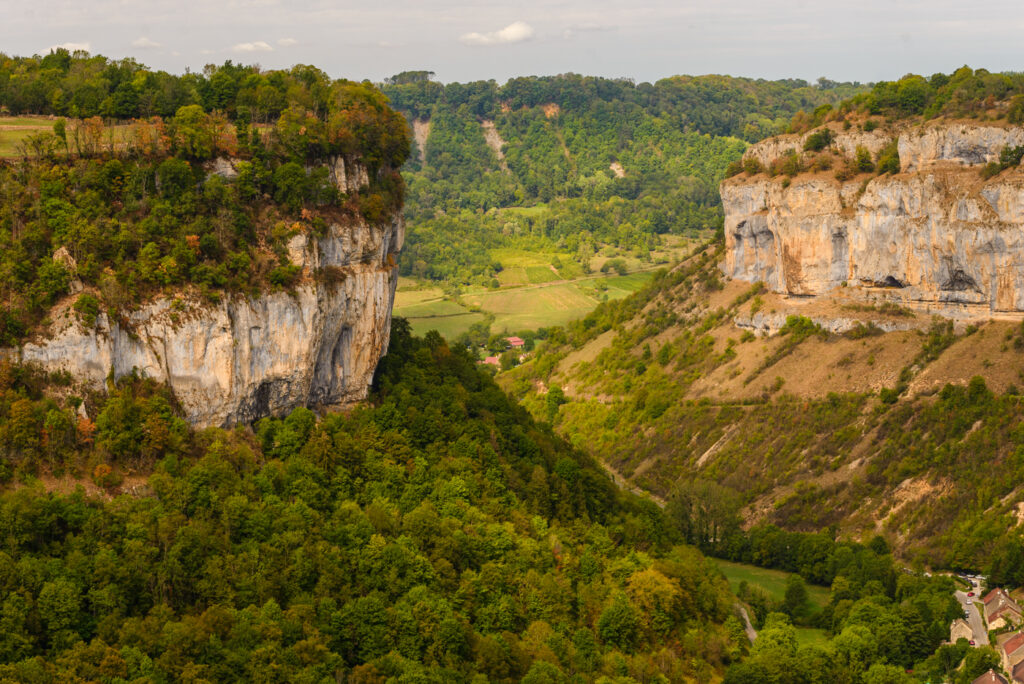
(937, 236)
(316, 344)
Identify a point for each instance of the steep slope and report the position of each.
(245, 357)
(806, 409)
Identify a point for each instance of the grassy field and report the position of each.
(809, 636)
(407, 296)
(38, 121)
(772, 581)
(529, 308)
(425, 313)
(526, 307)
(14, 129)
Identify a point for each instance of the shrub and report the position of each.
(888, 159)
(1015, 114)
(819, 140)
(285, 275)
(863, 160)
(105, 477)
(88, 308)
(752, 166)
(990, 170)
(1011, 156)
(870, 125)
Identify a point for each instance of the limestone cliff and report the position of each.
(249, 357)
(935, 236)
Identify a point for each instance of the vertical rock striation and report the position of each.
(935, 234)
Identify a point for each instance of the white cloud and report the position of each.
(71, 47)
(513, 33)
(287, 42)
(258, 46)
(145, 43)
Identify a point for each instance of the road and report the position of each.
(974, 614)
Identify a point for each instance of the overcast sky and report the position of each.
(459, 40)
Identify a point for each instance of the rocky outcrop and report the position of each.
(965, 144)
(936, 236)
(846, 142)
(249, 357)
(771, 323)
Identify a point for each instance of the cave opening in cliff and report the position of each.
(891, 281)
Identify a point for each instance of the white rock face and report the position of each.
(251, 357)
(965, 144)
(939, 236)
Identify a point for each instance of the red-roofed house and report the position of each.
(1012, 651)
(1001, 610)
(492, 361)
(516, 342)
(1017, 673)
(991, 677)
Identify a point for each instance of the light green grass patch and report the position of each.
(535, 307)
(37, 121)
(404, 298)
(513, 277)
(431, 309)
(772, 581)
(10, 140)
(445, 316)
(809, 636)
(450, 327)
(541, 274)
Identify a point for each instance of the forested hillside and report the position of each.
(599, 163)
(437, 534)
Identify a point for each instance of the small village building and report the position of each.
(1011, 650)
(1001, 610)
(492, 361)
(991, 677)
(1017, 673)
(960, 630)
(516, 342)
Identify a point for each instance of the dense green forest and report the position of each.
(597, 162)
(436, 534)
(440, 532)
